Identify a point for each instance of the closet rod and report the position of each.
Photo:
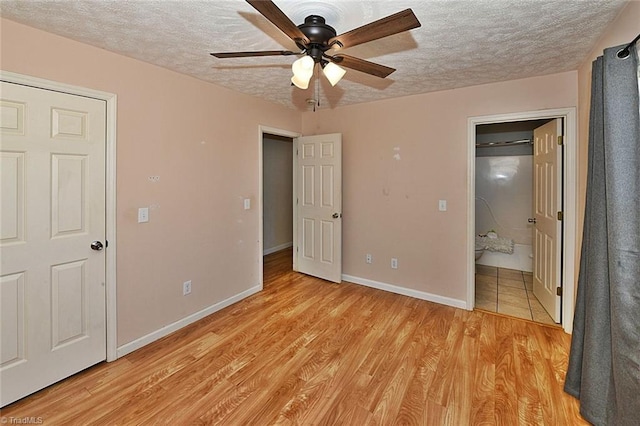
(505, 143)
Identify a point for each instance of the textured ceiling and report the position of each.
(461, 42)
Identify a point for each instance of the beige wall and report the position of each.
(277, 186)
(624, 29)
(390, 205)
(203, 142)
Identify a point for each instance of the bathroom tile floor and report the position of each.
(508, 292)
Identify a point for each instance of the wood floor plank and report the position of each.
(412, 406)
(460, 405)
(505, 394)
(529, 409)
(391, 360)
(304, 351)
(389, 403)
(196, 390)
(341, 371)
(483, 403)
(353, 384)
(441, 386)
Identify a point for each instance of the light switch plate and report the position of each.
(247, 203)
(442, 205)
(143, 214)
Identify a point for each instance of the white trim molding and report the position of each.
(175, 326)
(110, 171)
(570, 177)
(456, 303)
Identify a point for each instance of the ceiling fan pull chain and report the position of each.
(317, 88)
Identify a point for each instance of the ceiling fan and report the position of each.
(314, 38)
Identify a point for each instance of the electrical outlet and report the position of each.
(186, 287)
(394, 263)
(369, 258)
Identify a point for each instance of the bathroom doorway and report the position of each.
(504, 221)
(502, 202)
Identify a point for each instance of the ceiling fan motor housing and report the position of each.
(318, 33)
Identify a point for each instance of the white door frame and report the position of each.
(288, 134)
(110, 195)
(570, 178)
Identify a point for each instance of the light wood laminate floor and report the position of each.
(305, 351)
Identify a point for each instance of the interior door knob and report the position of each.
(335, 215)
(96, 245)
(531, 220)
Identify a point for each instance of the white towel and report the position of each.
(498, 244)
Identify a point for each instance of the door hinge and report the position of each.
(560, 140)
(558, 291)
(560, 216)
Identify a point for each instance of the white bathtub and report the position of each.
(521, 259)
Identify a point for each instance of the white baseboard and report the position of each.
(456, 303)
(152, 337)
(277, 248)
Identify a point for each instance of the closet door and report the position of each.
(52, 242)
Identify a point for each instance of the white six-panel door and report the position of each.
(547, 189)
(52, 284)
(319, 206)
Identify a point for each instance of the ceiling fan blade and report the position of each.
(223, 55)
(270, 11)
(362, 65)
(392, 24)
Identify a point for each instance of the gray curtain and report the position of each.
(604, 363)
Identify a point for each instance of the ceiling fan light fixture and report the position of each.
(302, 71)
(333, 72)
(301, 82)
(303, 67)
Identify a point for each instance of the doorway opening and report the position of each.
(505, 220)
(483, 208)
(277, 192)
(316, 204)
(277, 202)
